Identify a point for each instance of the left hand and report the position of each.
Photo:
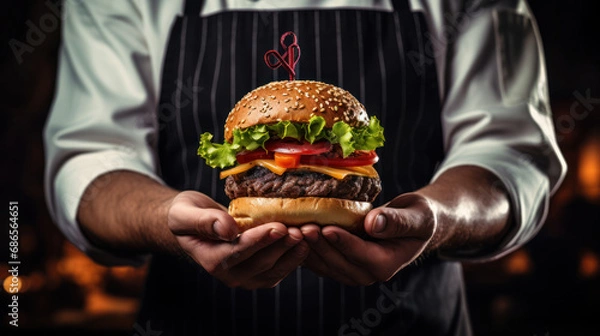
(402, 229)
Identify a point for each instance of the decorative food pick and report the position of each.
(289, 59)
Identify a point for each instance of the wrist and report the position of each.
(472, 212)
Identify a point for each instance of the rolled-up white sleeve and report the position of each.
(496, 112)
(103, 115)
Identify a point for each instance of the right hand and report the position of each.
(258, 258)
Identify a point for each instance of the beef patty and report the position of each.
(261, 182)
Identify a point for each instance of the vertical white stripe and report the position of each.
(321, 308)
(361, 56)
(403, 98)
(195, 98)
(277, 307)
(232, 50)
(215, 322)
(338, 36)
(179, 85)
(297, 32)
(382, 68)
(298, 301)
(213, 96)
(254, 46)
(342, 303)
(276, 36)
(254, 312)
(317, 45)
(233, 308)
(422, 79)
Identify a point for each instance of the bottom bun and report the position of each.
(249, 212)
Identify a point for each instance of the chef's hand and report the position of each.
(400, 231)
(258, 258)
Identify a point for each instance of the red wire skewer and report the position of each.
(289, 59)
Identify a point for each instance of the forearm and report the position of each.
(472, 209)
(126, 212)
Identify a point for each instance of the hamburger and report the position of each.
(298, 152)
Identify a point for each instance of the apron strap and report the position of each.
(193, 7)
(401, 5)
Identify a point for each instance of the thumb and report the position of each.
(412, 220)
(208, 223)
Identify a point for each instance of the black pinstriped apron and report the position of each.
(211, 62)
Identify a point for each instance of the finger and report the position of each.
(217, 256)
(187, 219)
(251, 241)
(314, 262)
(355, 249)
(415, 220)
(337, 262)
(283, 267)
(265, 259)
(310, 232)
(382, 259)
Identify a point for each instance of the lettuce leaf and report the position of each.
(217, 155)
(349, 138)
(314, 129)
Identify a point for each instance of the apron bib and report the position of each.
(212, 62)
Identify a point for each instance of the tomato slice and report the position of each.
(257, 154)
(287, 160)
(292, 146)
(358, 158)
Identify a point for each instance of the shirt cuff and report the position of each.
(527, 187)
(70, 184)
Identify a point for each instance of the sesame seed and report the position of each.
(287, 100)
(285, 94)
(314, 109)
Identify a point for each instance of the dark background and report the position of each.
(549, 287)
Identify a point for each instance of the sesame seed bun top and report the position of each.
(296, 101)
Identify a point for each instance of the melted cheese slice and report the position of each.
(338, 173)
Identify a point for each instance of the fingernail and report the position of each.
(310, 237)
(218, 230)
(291, 240)
(275, 234)
(379, 225)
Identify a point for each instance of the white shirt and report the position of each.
(493, 89)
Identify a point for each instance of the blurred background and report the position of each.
(549, 287)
